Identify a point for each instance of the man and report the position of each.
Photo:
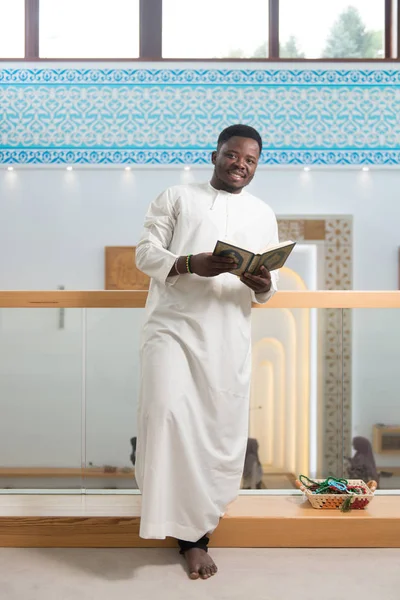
(196, 353)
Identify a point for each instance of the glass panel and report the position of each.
(210, 29)
(112, 385)
(296, 410)
(296, 397)
(340, 29)
(12, 28)
(40, 398)
(375, 403)
(89, 29)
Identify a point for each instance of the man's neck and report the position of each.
(217, 184)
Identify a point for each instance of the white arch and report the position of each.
(291, 329)
(262, 405)
(271, 350)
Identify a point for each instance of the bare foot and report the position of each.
(200, 564)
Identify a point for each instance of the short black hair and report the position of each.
(239, 131)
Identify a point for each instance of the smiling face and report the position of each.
(235, 164)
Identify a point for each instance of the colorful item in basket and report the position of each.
(337, 484)
(333, 486)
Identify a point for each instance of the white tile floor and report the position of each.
(265, 574)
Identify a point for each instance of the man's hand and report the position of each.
(260, 284)
(208, 265)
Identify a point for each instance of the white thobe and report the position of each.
(196, 360)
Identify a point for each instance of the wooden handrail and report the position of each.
(137, 299)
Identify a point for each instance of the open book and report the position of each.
(273, 258)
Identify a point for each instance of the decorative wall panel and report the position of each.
(173, 116)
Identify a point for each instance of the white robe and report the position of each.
(196, 360)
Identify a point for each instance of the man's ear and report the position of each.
(214, 157)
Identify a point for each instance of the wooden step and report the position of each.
(112, 521)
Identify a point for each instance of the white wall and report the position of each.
(54, 226)
(62, 220)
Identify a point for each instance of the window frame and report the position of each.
(150, 39)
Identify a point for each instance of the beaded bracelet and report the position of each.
(188, 264)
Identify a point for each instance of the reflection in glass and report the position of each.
(375, 428)
(209, 29)
(12, 28)
(296, 397)
(89, 29)
(340, 29)
(40, 398)
(112, 387)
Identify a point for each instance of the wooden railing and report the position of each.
(137, 299)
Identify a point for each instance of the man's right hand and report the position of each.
(208, 265)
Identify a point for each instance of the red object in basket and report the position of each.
(359, 503)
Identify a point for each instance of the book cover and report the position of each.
(242, 257)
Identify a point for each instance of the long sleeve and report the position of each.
(263, 298)
(152, 254)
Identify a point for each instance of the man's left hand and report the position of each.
(260, 284)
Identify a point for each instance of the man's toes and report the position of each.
(194, 575)
(204, 572)
(214, 569)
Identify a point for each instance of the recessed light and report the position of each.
(69, 168)
(307, 168)
(10, 168)
(127, 168)
(365, 168)
(187, 168)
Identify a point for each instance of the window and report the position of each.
(200, 29)
(89, 29)
(215, 29)
(12, 28)
(339, 29)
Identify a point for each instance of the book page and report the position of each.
(253, 267)
(276, 258)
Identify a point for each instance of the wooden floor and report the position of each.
(252, 521)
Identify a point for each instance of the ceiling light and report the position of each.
(365, 168)
(10, 168)
(69, 168)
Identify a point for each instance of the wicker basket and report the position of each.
(358, 501)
